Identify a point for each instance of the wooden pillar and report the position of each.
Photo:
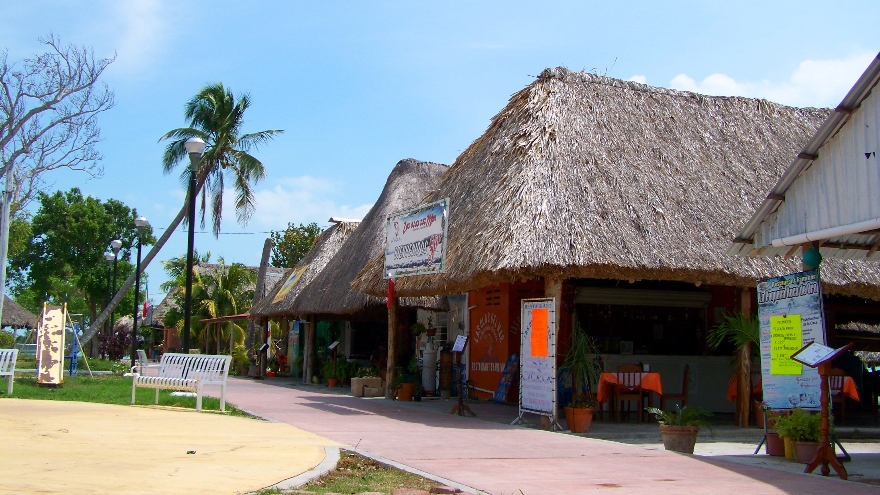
(393, 305)
(553, 288)
(744, 366)
(264, 356)
(309, 351)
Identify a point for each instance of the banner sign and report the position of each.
(415, 240)
(791, 316)
(537, 379)
(292, 279)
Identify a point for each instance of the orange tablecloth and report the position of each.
(650, 381)
(849, 389)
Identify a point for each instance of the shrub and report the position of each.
(7, 339)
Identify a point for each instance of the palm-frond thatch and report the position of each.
(326, 246)
(585, 176)
(16, 316)
(330, 292)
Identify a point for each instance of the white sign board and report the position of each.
(537, 372)
(50, 346)
(415, 240)
(791, 316)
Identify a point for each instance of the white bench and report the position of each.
(186, 373)
(143, 363)
(7, 366)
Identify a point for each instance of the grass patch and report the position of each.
(355, 474)
(96, 364)
(109, 389)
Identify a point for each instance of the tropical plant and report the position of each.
(682, 416)
(737, 329)
(7, 339)
(417, 328)
(292, 244)
(582, 361)
(801, 426)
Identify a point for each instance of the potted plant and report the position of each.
(418, 328)
(805, 433)
(783, 428)
(406, 381)
(775, 443)
(681, 427)
(582, 362)
(330, 373)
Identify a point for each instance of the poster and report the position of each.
(791, 316)
(415, 240)
(538, 362)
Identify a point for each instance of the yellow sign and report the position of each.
(786, 338)
(289, 283)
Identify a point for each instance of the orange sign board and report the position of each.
(540, 329)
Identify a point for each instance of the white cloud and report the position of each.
(639, 78)
(139, 31)
(819, 83)
(300, 200)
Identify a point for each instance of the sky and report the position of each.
(358, 86)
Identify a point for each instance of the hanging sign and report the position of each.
(537, 390)
(415, 240)
(791, 316)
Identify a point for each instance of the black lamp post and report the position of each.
(115, 246)
(110, 258)
(141, 223)
(194, 147)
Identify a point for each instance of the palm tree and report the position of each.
(216, 117)
(226, 291)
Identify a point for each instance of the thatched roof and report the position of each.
(17, 317)
(585, 176)
(330, 292)
(326, 246)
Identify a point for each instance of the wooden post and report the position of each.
(392, 347)
(553, 288)
(309, 358)
(744, 367)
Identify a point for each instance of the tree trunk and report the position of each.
(258, 295)
(744, 393)
(391, 363)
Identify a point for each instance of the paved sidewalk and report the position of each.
(502, 459)
(78, 447)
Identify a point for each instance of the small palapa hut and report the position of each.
(329, 303)
(16, 316)
(619, 199)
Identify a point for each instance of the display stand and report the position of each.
(819, 356)
(461, 408)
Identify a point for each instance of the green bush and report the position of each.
(7, 339)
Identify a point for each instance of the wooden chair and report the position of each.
(629, 388)
(683, 396)
(836, 377)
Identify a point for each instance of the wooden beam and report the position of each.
(744, 367)
(391, 362)
(791, 251)
(807, 156)
(776, 197)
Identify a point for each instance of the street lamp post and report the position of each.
(194, 148)
(110, 258)
(141, 223)
(115, 245)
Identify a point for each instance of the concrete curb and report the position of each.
(331, 458)
(419, 472)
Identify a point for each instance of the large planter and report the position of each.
(789, 447)
(578, 418)
(775, 445)
(406, 391)
(332, 382)
(679, 438)
(804, 452)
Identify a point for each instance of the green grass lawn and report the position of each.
(108, 389)
(96, 364)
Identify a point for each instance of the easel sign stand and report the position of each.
(537, 370)
(457, 349)
(819, 356)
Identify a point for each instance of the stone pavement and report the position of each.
(500, 459)
(77, 447)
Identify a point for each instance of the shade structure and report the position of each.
(331, 292)
(587, 176)
(16, 316)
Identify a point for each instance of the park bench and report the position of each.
(186, 373)
(143, 363)
(7, 366)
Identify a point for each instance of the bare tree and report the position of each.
(48, 114)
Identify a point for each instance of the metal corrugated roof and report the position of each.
(833, 183)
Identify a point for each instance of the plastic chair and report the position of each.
(836, 378)
(683, 396)
(629, 388)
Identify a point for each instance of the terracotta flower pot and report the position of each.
(775, 445)
(332, 382)
(578, 418)
(679, 438)
(406, 391)
(789, 447)
(270, 373)
(805, 451)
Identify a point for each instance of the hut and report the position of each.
(278, 303)
(618, 199)
(17, 317)
(330, 304)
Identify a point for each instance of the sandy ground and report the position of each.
(76, 447)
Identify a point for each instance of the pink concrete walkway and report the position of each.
(505, 460)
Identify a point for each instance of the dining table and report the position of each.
(608, 382)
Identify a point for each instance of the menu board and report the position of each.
(538, 363)
(791, 316)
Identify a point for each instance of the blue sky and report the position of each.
(357, 86)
